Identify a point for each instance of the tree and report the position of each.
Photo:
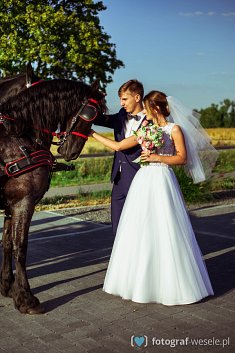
(222, 115)
(210, 117)
(62, 39)
(227, 108)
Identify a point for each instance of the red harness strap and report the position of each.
(35, 83)
(24, 164)
(3, 117)
(79, 134)
(63, 133)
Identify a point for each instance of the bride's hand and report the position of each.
(145, 156)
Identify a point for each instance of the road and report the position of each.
(67, 259)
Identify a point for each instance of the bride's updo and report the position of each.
(155, 99)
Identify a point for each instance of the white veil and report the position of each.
(201, 155)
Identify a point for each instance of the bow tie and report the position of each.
(130, 116)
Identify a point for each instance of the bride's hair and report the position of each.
(155, 99)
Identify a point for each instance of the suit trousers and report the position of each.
(120, 190)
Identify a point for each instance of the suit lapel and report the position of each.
(123, 123)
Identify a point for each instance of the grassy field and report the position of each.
(219, 137)
(91, 146)
(87, 171)
(97, 170)
(222, 136)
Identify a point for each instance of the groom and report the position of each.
(127, 120)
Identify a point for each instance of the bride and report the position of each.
(155, 257)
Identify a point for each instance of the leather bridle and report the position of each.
(87, 111)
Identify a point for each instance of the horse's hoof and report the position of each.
(39, 309)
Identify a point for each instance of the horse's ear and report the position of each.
(95, 85)
(29, 73)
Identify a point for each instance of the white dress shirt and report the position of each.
(133, 124)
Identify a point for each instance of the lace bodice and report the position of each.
(168, 149)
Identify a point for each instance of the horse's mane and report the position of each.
(46, 104)
(11, 85)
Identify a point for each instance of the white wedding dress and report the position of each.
(155, 257)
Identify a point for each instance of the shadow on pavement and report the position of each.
(55, 256)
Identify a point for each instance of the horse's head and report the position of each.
(79, 125)
(12, 85)
(37, 112)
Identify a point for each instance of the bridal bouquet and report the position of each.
(150, 137)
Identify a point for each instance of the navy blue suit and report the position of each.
(123, 169)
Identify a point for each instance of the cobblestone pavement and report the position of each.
(68, 255)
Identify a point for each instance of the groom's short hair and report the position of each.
(134, 86)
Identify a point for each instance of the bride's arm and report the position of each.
(115, 145)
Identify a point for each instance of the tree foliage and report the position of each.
(219, 115)
(62, 39)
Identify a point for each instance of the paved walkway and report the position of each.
(67, 261)
(74, 190)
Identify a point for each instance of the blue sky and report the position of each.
(184, 48)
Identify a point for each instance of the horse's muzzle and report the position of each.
(71, 151)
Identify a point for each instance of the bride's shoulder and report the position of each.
(172, 127)
(176, 129)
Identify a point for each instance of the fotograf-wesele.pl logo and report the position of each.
(139, 341)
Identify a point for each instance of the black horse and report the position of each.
(27, 123)
(12, 85)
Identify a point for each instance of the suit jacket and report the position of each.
(117, 123)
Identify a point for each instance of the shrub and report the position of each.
(192, 192)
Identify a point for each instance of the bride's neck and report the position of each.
(161, 120)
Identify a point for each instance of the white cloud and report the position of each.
(186, 14)
(210, 13)
(214, 73)
(200, 53)
(225, 75)
(228, 14)
(191, 14)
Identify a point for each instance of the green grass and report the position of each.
(226, 161)
(87, 171)
(225, 164)
(203, 191)
(192, 192)
(98, 170)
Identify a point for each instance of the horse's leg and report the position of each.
(6, 274)
(23, 298)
